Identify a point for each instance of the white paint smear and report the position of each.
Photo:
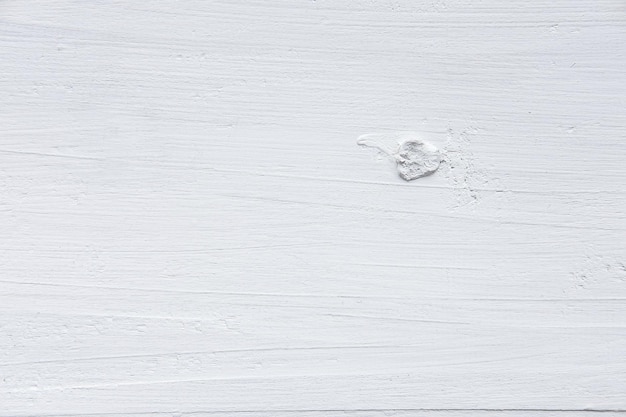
(414, 157)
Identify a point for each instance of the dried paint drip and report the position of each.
(414, 157)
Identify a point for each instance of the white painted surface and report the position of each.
(189, 228)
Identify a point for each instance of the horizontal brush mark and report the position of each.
(360, 410)
(180, 251)
(381, 265)
(429, 214)
(297, 295)
(243, 304)
(477, 323)
(506, 359)
(398, 319)
(557, 226)
(211, 352)
(81, 36)
(548, 299)
(46, 129)
(243, 294)
(52, 155)
(390, 184)
(258, 378)
(383, 411)
(306, 203)
(187, 166)
(138, 316)
(249, 378)
(365, 22)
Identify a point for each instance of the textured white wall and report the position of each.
(188, 227)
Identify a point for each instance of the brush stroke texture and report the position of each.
(188, 228)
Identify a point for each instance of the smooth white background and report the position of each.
(188, 228)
